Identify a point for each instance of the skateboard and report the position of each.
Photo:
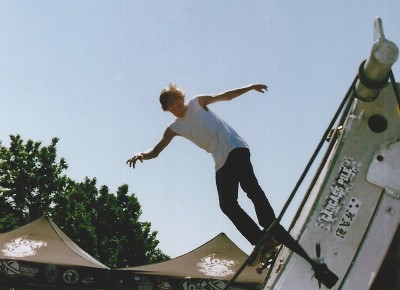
(268, 259)
(251, 259)
(322, 273)
(266, 256)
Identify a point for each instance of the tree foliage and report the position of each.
(105, 225)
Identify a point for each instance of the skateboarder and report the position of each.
(196, 122)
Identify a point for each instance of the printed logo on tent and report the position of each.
(88, 280)
(71, 276)
(144, 285)
(216, 267)
(51, 273)
(205, 285)
(22, 247)
(15, 269)
(164, 286)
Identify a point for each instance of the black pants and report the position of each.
(239, 170)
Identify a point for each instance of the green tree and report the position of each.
(105, 225)
(109, 227)
(74, 211)
(30, 178)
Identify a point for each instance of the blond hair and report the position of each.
(170, 93)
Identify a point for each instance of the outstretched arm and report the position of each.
(152, 153)
(229, 95)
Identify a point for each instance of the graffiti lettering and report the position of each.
(337, 194)
(348, 217)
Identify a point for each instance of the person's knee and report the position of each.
(229, 207)
(267, 222)
(253, 190)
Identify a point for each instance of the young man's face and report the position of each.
(177, 107)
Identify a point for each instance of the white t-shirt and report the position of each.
(208, 131)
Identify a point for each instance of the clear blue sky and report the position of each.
(90, 73)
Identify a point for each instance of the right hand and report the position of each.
(132, 161)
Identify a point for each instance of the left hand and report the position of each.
(260, 88)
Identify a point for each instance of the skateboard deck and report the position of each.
(251, 259)
(267, 259)
(322, 273)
